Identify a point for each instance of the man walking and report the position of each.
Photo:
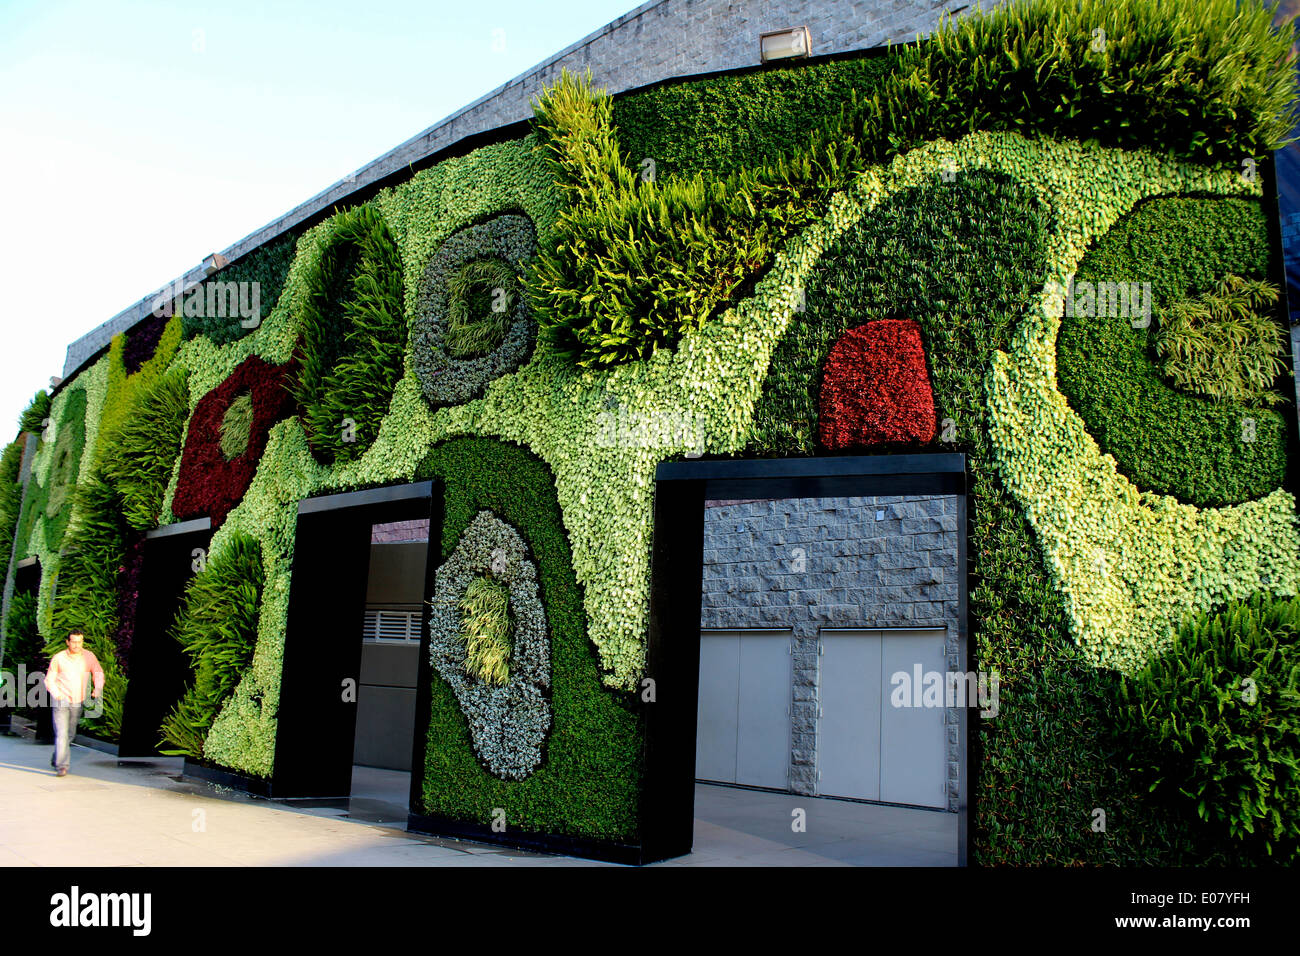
(66, 682)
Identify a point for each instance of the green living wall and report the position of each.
(540, 322)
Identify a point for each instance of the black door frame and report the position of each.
(158, 668)
(676, 595)
(316, 729)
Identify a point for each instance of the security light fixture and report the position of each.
(784, 44)
(214, 263)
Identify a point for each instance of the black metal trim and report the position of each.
(369, 496)
(841, 466)
(180, 527)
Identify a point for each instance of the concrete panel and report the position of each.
(396, 573)
(848, 751)
(385, 727)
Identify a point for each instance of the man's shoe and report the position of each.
(61, 772)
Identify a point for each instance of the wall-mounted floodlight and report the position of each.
(214, 263)
(784, 44)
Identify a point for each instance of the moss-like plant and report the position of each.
(485, 626)
(236, 426)
(1226, 343)
(217, 627)
(481, 307)
(353, 336)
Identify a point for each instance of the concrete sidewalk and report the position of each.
(146, 814)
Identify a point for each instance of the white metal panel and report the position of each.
(912, 737)
(715, 737)
(848, 732)
(763, 734)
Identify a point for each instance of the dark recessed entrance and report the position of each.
(675, 646)
(349, 691)
(158, 669)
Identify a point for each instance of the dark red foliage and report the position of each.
(207, 483)
(128, 597)
(876, 389)
(142, 342)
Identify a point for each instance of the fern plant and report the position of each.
(1215, 721)
(353, 336)
(145, 448)
(217, 627)
(1226, 343)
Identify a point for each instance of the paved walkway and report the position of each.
(146, 814)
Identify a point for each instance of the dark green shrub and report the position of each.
(1202, 451)
(145, 448)
(217, 627)
(353, 336)
(1215, 720)
(590, 780)
(1226, 343)
(268, 266)
(723, 124)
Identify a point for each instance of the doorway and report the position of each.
(356, 650)
(158, 670)
(854, 567)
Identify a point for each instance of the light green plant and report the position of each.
(479, 315)
(236, 426)
(485, 628)
(1225, 343)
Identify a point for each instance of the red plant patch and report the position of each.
(209, 483)
(876, 389)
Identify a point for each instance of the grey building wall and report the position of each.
(812, 563)
(658, 40)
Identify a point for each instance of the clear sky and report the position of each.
(136, 138)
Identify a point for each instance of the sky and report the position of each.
(137, 138)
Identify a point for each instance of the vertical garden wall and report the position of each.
(1057, 263)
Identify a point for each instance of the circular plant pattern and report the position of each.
(473, 324)
(501, 683)
(227, 436)
(353, 336)
(68, 445)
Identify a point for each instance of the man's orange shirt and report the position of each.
(66, 678)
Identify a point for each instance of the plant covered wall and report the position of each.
(539, 323)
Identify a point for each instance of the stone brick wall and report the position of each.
(658, 40)
(812, 563)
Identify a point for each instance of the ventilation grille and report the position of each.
(387, 626)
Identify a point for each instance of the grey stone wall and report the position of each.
(812, 563)
(658, 40)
